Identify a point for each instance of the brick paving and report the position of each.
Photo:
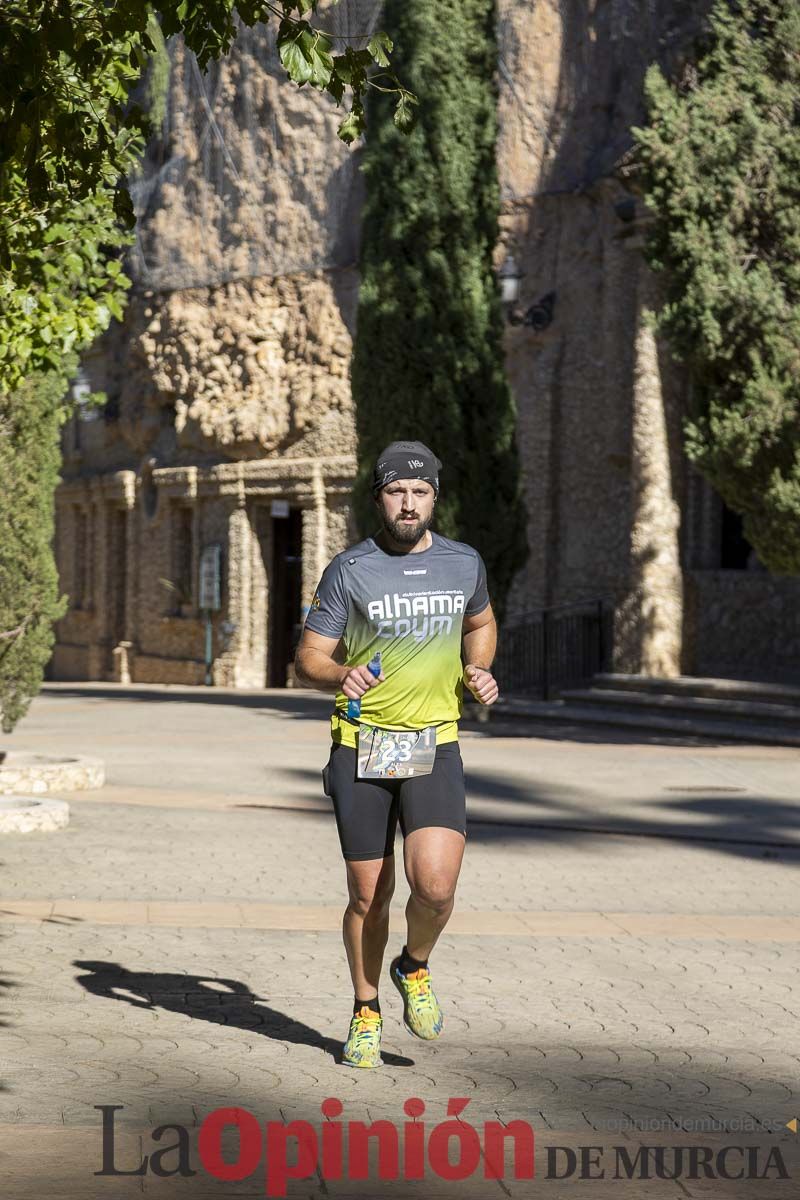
(624, 955)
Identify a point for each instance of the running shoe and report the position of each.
(421, 1013)
(363, 1045)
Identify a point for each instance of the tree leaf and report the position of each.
(305, 53)
(114, 306)
(380, 46)
(405, 114)
(336, 88)
(321, 61)
(290, 50)
(353, 125)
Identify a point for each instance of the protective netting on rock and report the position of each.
(248, 177)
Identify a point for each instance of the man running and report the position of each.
(416, 598)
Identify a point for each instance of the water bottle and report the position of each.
(354, 706)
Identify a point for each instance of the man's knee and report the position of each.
(370, 898)
(434, 893)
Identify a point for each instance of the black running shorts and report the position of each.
(367, 810)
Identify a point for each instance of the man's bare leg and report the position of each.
(365, 926)
(432, 858)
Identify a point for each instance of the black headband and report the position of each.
(406, 460)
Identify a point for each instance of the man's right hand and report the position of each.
(358, 680)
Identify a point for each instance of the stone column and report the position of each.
(649, 625)
(341, 526)
(98, 648)
(236, 665)
(122, 641)
(192, 496)
(315, 537)
(132, 558)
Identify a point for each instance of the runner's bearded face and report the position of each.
(406, 508)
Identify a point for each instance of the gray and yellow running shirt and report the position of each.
(411, 608)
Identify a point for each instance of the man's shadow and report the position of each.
(222, 1001)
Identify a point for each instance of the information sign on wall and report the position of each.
(210, 578)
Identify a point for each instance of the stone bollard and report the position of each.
(121, 670)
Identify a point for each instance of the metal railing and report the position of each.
(541, 652)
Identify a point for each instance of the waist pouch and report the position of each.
(395, 753)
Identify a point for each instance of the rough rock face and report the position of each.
(244, 369)
(237, 339)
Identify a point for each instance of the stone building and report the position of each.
(229, 420)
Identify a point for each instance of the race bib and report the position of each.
(395, 753)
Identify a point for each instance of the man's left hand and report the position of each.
(481, 683)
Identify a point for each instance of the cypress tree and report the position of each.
(29, 594)
(428, 359)
(720, 165)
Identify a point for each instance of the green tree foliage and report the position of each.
(60, 230)
(64, 281)
(428, 360)
(720, 168)
(29, 595)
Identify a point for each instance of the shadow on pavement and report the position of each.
(202, 998)
(291, 702)
(748, 826)
(306, 705)
(588, 735)
(5, 985)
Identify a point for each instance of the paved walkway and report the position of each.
(622, 968)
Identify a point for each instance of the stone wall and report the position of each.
(746, 624)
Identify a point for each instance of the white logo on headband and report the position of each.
(415, 462)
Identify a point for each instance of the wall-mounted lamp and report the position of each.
(539, 315)
(509, 276)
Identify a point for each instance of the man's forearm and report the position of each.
(480, 645)
(316, 669)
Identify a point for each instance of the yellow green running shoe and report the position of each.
(421, 1013)
(363, 1045)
